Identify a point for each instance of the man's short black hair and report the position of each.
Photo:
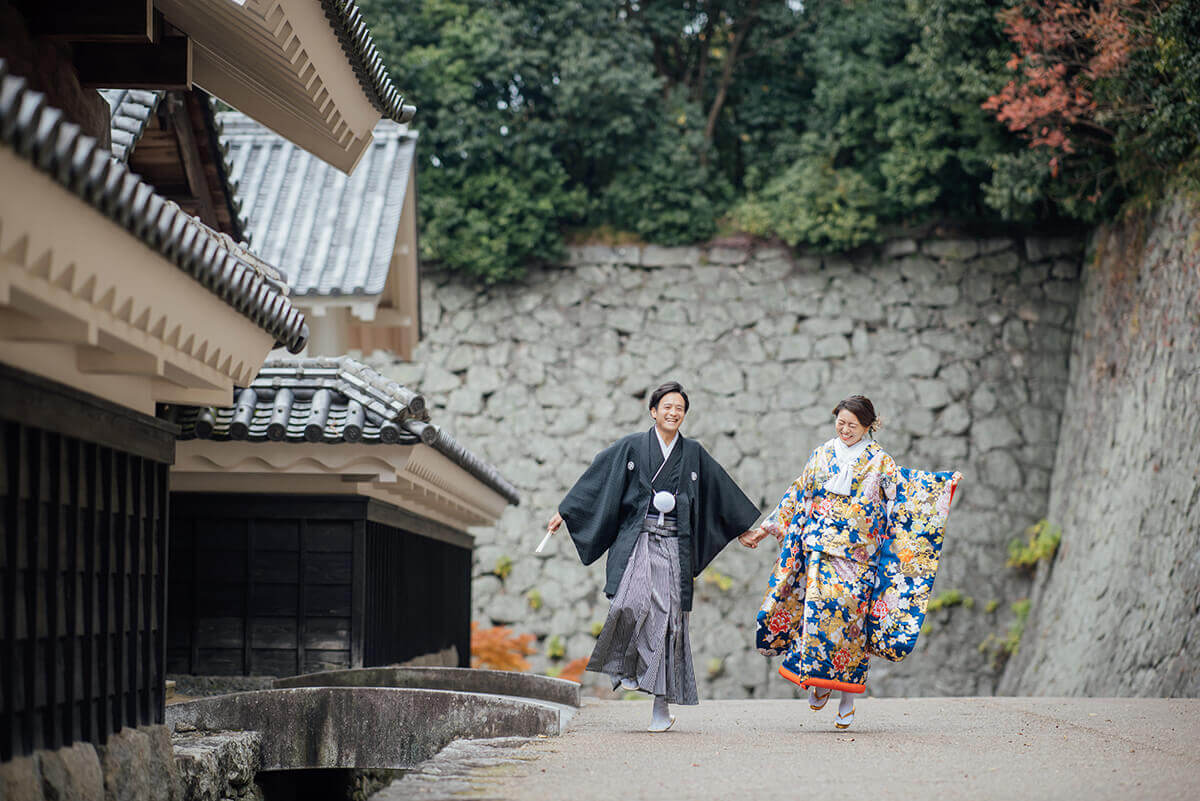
(667, 389)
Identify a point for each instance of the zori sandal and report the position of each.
(844, 721)
(816, 701)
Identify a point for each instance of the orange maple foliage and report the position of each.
(500, 648)
(1063, 49)
(573, 670)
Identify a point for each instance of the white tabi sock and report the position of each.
(629, 684)
(660, 718)
(846, 704)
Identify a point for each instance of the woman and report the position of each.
(840, 591)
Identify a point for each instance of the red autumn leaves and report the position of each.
(1064, 50)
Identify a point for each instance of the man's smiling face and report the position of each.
(668, 415)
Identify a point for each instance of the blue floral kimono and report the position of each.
(851, 579)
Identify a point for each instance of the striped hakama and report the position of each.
(645, 637)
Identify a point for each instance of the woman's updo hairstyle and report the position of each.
(861, 407)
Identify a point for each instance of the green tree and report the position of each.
(541, 116)
(893, 131)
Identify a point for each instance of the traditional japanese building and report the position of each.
(112, 301)
(320, 522)
(115, 301)
(172, 140)
(348, 243)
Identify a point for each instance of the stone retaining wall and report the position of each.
(1118, 611)
(136, 764)
(219, 766)
(961, 343)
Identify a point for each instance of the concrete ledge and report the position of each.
(364, 727)
(467, 680)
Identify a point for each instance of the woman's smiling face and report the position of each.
(849, 430)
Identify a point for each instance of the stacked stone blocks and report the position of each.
(961, 343)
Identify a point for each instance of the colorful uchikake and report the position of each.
(828, 613)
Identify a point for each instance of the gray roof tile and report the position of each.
(42, 135)
(131, 110)
(351, 30)
(332, 401)
(333, 233)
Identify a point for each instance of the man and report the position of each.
(662, 508)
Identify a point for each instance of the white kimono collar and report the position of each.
(845, 456)
(663, 446)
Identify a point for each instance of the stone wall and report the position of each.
(136, 764)
(1118, 611)
(219, 766)
(961, 343)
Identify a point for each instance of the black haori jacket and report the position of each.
(605, 509)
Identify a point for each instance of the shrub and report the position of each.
(500, 648)
(1040, 545)
(573, 670)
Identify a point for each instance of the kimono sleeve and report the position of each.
(722, 512)
(592, 508)
(907, 562)
(793, 501)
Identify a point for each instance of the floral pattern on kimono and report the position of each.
(826, 610)
(832, 650)
(782, 613)
(851, 525)
(908, 561)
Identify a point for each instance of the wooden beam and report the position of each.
(120, 65)
(18, 327)
(105, 362)
(65, 410)
(131, 21)
(189, 154)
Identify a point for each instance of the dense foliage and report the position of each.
(1108, 95)
(818, 121)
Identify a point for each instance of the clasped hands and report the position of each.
(754, 536)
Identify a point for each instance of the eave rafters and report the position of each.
(106, 305)
(290, 65)
(412, 477)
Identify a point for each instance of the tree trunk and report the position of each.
(727, 73)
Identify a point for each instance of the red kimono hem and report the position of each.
(813, 681)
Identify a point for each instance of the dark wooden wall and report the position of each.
(260, 585)
(83, 554)
(280, 585)
(418, 597)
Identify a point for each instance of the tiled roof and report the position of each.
(40, 134)
(333, 233)
(332, 401)
(351, 30)
(224, 167)
(131, 110)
